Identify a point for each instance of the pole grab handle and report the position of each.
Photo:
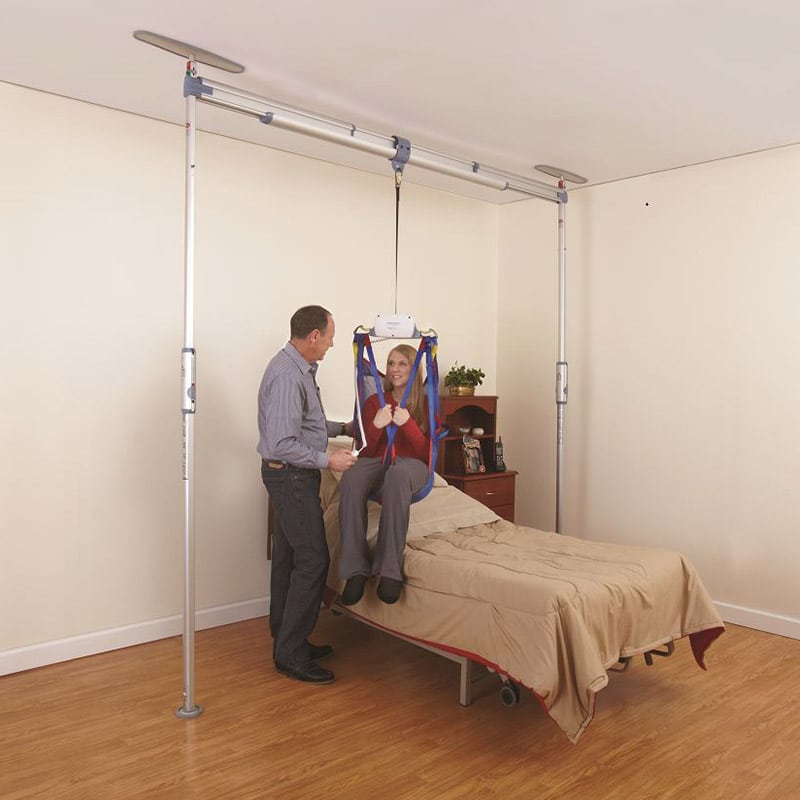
(188, 390)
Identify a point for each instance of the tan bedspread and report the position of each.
(550, 611)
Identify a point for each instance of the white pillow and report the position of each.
(447, 509)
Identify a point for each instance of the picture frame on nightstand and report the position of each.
(473, 455)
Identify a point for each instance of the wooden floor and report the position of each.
(391, 727)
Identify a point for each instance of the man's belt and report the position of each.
(272, 464)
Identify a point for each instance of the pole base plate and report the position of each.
(189, 713)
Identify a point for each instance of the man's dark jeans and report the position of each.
(300, 559)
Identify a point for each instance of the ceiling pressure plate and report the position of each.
(561, 174)
(188, 51)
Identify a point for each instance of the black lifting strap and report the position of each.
(402, 154)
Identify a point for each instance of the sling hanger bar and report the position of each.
(349, 135)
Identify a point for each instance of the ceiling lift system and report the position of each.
(394, 149)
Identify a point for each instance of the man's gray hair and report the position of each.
(307, 319)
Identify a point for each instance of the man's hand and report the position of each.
(341, 460)
(383, 417)
(401, 416)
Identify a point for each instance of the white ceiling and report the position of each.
(609, 89)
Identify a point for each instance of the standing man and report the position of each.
(293, 439)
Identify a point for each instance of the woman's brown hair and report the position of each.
(416, 397)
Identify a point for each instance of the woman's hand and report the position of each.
(383, 417)
(401, 416)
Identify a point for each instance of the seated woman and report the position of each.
(396, 483)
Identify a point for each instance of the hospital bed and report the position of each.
(547, 612)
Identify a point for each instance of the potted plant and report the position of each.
(463, 380)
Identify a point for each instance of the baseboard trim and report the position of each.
(760, 620)
(89, 644)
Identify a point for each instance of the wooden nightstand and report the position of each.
(492, 488)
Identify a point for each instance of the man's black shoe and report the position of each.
(389, 589)
(318, 651)
(308, 673)
(353, 590)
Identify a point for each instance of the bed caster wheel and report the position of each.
(509, 694)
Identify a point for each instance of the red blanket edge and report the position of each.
(700, 642)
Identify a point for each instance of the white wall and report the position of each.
(91, 315)
(528, 342)
(682, 423)
(682, 428)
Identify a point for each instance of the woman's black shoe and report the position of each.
(353, 590)
(389, 589)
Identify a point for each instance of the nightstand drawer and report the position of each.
(492, 492)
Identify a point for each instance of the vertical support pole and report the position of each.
(561, 364)
(189, 709)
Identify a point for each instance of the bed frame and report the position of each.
(469, 675)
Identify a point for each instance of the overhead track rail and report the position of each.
(349, 135)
